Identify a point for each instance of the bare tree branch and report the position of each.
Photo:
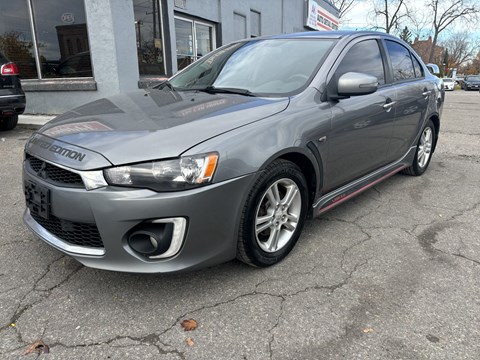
(344, 6)
(389, 14)
(446, 12)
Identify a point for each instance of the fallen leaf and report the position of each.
(368, 330)
(189, 325)
(13, 324)
(189, 342)
(38, 347)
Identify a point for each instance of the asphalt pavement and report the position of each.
(391, 274)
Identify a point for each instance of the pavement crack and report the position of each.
(22, 308)
(271, 330)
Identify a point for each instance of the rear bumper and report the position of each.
(12, 104)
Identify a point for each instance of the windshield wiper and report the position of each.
(164, 84)
(226, 90)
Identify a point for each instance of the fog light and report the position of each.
(159, 238)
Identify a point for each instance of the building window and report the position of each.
(150, 44)
(46, 39)
(255, 24)
(239, 26)
(194, 40)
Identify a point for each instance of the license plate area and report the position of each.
(37, 198)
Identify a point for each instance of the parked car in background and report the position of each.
(12, 97)
(231, 155)
(471, 82)
(449, 84)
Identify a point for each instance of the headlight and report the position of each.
(167, 175)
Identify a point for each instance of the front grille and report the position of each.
(53, 174)
(75, 233)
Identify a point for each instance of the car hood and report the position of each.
(153, 124)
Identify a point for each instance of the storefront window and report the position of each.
(62, 38)
(148, 17)
(16, 41)
(194, 40)
(61, 48)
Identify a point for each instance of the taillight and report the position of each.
(9, 69)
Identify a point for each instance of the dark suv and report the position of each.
(12, 98)
(471, 82)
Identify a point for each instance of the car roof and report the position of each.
(329, 35)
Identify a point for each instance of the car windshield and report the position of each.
(473, 78)
(274, 67)
(447, 80)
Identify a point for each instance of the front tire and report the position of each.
(8, 123)
(273, 215)
(424, 152)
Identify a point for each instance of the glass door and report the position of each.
(194, 40)
(203, 36)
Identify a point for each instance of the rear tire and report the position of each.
(424, 152)
(273, 215)
(8, 123)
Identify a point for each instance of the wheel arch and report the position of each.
(309, 163)
(436, 122)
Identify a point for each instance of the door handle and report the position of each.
(389, 105)
(426, 93)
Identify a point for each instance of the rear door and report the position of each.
(361, 125)
(413, 95)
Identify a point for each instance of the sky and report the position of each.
(357, 18)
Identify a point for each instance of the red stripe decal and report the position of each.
(368, 186)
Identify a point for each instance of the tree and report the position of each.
(389, 14)
(344, 6)
(446, 12)
(405, 35)
(473, 67)
(461, 48)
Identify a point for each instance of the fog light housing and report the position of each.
(158, 239)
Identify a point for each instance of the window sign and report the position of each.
(320, 19)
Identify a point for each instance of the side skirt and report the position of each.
(348, 191)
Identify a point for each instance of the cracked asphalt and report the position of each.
(391, 274)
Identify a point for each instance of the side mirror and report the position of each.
(433, 68)
(353, 84)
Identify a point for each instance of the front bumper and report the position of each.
(472, 86)
(212, 212)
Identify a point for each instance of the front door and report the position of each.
(361, 125)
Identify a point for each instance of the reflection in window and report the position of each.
(61, 34)
(16, 41)
(149, 37)
(401, 61)
(364, 57)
